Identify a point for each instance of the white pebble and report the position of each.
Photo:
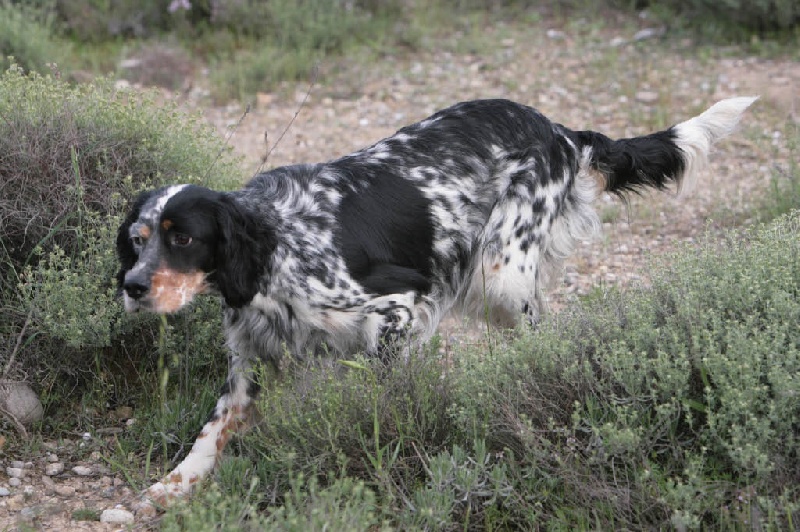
(14, 482)
(116, 515)
(15, 472)
(82, 470)
(53, 469)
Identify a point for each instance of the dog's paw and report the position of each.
(157, 497)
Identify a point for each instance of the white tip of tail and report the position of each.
(696, 136)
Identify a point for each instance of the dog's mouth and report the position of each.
(169, 292)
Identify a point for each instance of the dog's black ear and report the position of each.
(125, 252)
(244, 252)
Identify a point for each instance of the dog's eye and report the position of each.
(181, 239)
(137, 241)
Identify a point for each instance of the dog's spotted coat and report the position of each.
(471, 209)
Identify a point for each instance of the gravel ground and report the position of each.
(579, 75)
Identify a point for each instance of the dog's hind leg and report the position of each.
(390, 324)
(232, 414)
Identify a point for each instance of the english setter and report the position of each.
(470, 209)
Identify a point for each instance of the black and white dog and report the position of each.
(470, 209)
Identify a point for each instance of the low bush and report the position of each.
(673, 406)
(72, 157)
(752, 15)
(26, 38)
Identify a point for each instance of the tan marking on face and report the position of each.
(166, 224)
(171, 290)
(144, 232)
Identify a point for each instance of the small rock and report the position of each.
(15, 472)
(53, 469)
(64, 490)
(14, 482)
(116, 515)
(4, 492)
(28, 514)
(133, 62)
(263, 99)
(649, 33)
(16, 502)
(82, 471)
(555, 34)
(86, 436)
(647, 96)
(19, 400)
(108, 493)
(17, 464)
(52, 457)
(28, 491)
(49, 485)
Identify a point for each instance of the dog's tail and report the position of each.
(675, 155)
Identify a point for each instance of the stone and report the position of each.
(15, 472)
(14, 482)
(19, 400)
(4, 492)
(16, 502)
(49, 485)
(53, 469)
(52, 457)
(82, 471)
(116, 515)
(647, 96)
(64, 490)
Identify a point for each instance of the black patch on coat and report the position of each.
(385, 234)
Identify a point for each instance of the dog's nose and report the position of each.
(135, 288)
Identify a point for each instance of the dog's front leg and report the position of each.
(232, 414)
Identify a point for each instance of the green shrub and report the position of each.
(673, 406)
(361, 416)
(292, 38)
(784, 191)
(98, 20)
(72, 157)
(752, 15)
(72, 149)
(26, 34)
(655, 396)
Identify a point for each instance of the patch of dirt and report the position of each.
(583, 78)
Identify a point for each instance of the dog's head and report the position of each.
(183, 240)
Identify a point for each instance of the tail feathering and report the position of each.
(695, 136)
